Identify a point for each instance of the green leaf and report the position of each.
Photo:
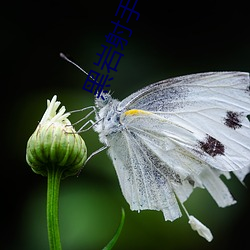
(117, 234)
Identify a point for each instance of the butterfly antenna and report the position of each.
(68, 60)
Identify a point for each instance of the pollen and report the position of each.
(137, 112)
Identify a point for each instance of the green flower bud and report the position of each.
(55, 144)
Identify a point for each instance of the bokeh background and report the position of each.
(168, 40)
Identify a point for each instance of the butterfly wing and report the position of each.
(155, 166)
(141, 185)
(212, 106)
(173, 93)
(179, 134)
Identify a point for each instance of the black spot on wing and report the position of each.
(191, 181)
(233, 119)
(212, 146)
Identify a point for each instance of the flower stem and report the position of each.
(54, 177)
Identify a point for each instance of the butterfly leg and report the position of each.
(86, 116)
(91, 155)
(83, 127)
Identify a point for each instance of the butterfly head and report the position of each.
(103, 100)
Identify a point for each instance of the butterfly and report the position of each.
(175, 135)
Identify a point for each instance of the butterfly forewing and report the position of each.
(213, 107)
(175, 93)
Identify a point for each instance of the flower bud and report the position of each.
(55, 144)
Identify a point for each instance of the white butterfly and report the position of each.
(178, 134)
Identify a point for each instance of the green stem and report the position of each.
(54, 177)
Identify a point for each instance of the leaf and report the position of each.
(117, 234)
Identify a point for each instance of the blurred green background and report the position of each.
(168, 40)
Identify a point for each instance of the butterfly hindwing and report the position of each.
(142, 184)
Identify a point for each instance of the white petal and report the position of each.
(51, 114)
(200, 228)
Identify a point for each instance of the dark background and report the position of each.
(168, 40)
